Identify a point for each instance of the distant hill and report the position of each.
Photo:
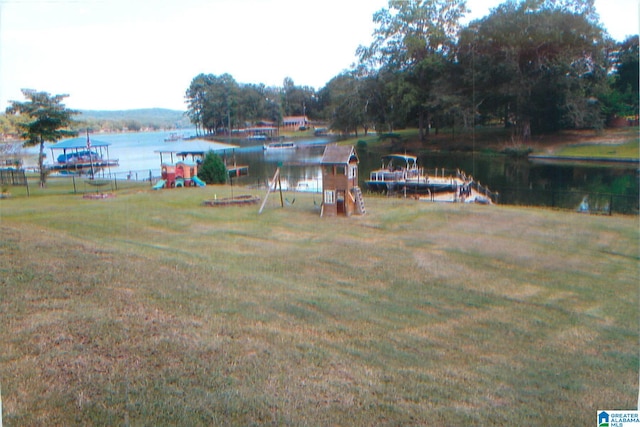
(147, 117)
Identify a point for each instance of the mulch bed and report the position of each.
(98, 196)
(233, 201)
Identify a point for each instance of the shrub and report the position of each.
(213, 170)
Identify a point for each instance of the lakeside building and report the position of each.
(294, 122)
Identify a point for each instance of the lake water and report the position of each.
(517, 180)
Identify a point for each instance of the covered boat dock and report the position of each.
(81, 155)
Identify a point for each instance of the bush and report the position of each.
(213, 170)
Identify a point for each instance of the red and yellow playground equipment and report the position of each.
(181, 174)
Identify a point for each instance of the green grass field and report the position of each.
(151, 309)
(627, 150)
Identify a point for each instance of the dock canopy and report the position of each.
(81, 155)
(196, 148)
(77, 144)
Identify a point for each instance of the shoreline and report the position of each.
(595, 159)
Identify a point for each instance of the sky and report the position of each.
(127, 54)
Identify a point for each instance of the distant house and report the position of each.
(340, 192)
(294, 122)
(261, 132)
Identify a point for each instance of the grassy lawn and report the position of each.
(621, 143)
(150, 309)
(627, 150)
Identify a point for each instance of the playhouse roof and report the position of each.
(339, 154)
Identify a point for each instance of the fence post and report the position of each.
(610, 204)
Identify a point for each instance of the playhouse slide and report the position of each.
(198, 181)
(160, 184)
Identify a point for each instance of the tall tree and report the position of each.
(298, 100)
(42, 118)
(213, 102)
(624, 95)
(196, 100)
(414, 38)
(221, 103)
(382, 93)
(344, 107)
(257, 102)
(540, 67)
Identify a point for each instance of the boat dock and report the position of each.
(400, 175)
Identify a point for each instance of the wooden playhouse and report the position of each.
(341, 194)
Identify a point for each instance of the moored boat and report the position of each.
(400, 172)
(396, 171)
(173, 137)
(309, 186)
(276, 146)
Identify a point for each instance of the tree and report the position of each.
(622, 100)
(414, 38)
(379, 91)
(220, 110)
(213, 102)
(344, 107)
(196, 97)
(298, 100)
(7, 125)
(213, 170)
(257, 102)
(539, 66)
(42, 118)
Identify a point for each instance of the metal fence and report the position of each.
(587, 202)
(109, 181)
(12, 177)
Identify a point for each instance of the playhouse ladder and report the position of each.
(359, 200)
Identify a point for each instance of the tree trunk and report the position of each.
(43, 175)
(424, 118)
(506, 116)
(526, 130)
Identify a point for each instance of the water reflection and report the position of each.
(296, 165)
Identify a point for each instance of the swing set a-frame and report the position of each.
(271, 187)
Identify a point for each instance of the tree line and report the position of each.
(532, 65)
(219, 103)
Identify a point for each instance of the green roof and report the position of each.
(80, 142)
